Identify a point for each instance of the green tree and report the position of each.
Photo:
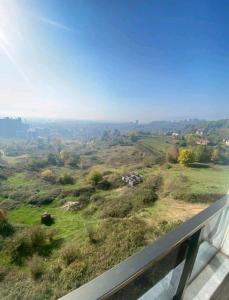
(186, 156)
(216, 155)
(202, 154)
(191, 139)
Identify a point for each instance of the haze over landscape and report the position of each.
(102, 60)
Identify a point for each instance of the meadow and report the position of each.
(113, 220)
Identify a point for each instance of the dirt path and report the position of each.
(180, 210)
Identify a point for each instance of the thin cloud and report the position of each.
(55, 24)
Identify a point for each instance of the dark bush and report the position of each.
(104, 185)
(40, 200)
(66, 179)
(6, 229)
(149, 196)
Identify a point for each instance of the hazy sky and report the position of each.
(115, 60)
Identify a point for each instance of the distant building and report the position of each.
(133, 178)
(203, 142)
(175, 134)
(226, 142)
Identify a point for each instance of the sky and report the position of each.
(114, 60)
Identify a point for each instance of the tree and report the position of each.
(201, 154)
(186, 157)
(216, 155)
(172, 155)
(191, 139)
(95, 177)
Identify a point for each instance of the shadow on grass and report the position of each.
(200, 166)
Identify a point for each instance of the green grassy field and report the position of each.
(113, 223)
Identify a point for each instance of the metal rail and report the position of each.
(113, 280)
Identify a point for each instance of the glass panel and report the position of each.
(211, 240)
(160, 281)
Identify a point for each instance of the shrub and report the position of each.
(172, 155)
(149, 196)
(36, 164)
(186, 157)
(116, 209)
(69, 254)
(95, 177)
(19, 247)
(92, 234)
(28, 242)
(36, 266)
(104, 185)
(154, 182)
(48, 175)
(6, 229)
(38, 237)
(74, 274)
(66, 179)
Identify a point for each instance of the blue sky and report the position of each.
(114, 60)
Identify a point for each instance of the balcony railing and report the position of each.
(163, 269)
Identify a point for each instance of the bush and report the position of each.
(92, 234)
(95, 177)
(154, 182)
(66, 179)
(48, 175)
(69, 254)
(149, 196)
(19, 247)
(104, 185)
(172, 155)
(186, 157)
(36, 266)
(28, 242)
(6, 228)
(37, 163)
(118, 208)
